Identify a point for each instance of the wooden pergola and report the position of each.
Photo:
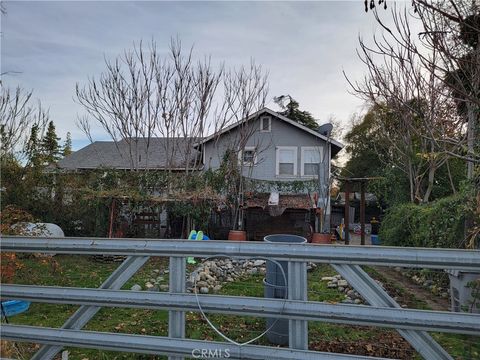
(348, 182)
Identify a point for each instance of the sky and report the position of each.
(49, 47)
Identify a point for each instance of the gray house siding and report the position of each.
(266, 144)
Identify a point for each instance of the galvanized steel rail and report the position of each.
(161, 345)
(384, 311)
(439, 321)
(336, 254)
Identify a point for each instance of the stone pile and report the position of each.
(340, 284)
(210, 275)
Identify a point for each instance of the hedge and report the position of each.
(437, 224)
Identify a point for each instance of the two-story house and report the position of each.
(276, 150)
(271, 149)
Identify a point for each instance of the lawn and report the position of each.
(82, 271)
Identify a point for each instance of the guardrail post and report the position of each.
(176, 319)
(297, 290)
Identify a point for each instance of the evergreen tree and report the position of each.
(32, 149)
(293, 112)
(67, 146)
(51, 150)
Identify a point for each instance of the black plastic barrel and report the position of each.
(274, 288)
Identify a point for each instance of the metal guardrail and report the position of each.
(399, 318)
(383, 310)
(337, 254)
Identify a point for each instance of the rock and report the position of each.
(350, 293)
(334, 280)
(342, 283)
(204, 290)
(156, 271)
(252, 271)
(331, 285)
(398, 268)
(136, 287)
(428, 283)
(341, 288)
(327, 278)
(338, 276)
(229, 279)
(357, 301)
(148, 285)
(166, 271)
(347, 301)
(444, 295)
(164, 287)
(258, 262)
(217, 288)
(154, 288)
(160, 279)
(201, 284)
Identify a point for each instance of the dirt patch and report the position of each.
(387, 344)
(412, 293)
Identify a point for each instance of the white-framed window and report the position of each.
(311, 158)
(265, 124)
(286, 161)
(248, 156)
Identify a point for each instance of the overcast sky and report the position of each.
(305, 46)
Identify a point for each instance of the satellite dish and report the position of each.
(325, 129)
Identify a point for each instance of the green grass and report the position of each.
(81, 271)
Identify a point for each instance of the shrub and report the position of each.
(438, 224)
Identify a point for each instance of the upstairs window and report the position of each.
(311, 159)
(286, 161)
(248, 156)
(265, 124)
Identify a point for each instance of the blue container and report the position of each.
(375, 240)
(14, 307)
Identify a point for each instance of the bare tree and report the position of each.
(245, 91)
(404, 75)
(18, 114)
(449, 45)
(187, 92)
(143, 95)
(124, 101)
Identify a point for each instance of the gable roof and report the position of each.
(337, 146)
(109, 154)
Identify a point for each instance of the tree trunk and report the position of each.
(431, 177)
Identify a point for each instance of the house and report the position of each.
(270, 148)
(276, 151)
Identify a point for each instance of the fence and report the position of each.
(383, 310)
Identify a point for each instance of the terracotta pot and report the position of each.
(237, 235)
(319, 238)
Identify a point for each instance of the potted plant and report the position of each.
(234, 186)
